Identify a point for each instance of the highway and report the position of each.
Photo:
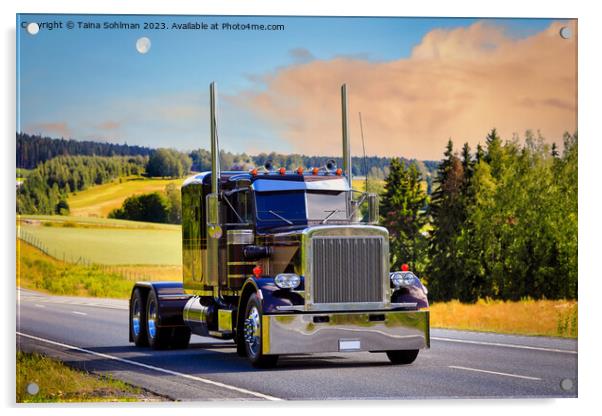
(92, 334)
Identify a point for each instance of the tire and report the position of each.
(252, 336)
(241, 351)
(138, 318)
(158, 338)
(402, 356)
(181, 338)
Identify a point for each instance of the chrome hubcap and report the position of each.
(136, 317)
(252, 331)
(152, 319)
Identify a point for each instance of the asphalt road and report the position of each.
(93, 334)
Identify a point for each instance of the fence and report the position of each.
(125, 272)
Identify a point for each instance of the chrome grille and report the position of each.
(347, 269)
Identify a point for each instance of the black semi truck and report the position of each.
(283, 262)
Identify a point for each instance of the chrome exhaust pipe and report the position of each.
(215, 168)
(346, 144)
(213, 223)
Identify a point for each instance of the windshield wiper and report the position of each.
(332, 212)
(281, 217)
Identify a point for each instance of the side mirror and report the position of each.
(214, 229)
(373, 215)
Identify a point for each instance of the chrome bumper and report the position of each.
(358, 331)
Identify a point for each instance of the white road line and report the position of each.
(72, 303)
(497, 344)
(79, 313)
(40, 306)
(457, 367)
(158, 369)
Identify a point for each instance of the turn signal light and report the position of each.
(257, 271)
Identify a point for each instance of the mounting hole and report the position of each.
(565, 32)
(143, 45)
(33, 28)
(566, 384)
(33, 389)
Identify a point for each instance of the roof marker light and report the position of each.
(282, 171)
(339, 172)
(300, 170)
(315, 171)
(254, 171)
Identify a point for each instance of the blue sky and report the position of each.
(93, 84)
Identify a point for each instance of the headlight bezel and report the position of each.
(287, 280)
(405, 279)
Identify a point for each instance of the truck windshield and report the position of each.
(286, 208)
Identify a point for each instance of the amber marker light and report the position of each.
(257, 271)
(282, 171)
(300, 170)
(254, 172)
(315, 171)
(339, 172)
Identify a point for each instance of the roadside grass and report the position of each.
(556, 318)
(38, 271)
(152, 273)
(100, 200)
(102, 241)
(60, 383)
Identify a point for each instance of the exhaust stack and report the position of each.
(215, 168)
(346, 145)
(214, 228)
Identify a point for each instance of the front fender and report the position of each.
(271, 295)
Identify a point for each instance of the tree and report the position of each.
(403, 210)
(168, 163)
(152, 207)
(174, 196)
(448, 215)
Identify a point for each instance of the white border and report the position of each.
(589, 113)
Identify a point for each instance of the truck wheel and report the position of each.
(241, 349)
(252, 336)
(138, 318)
(158, 338)
(402, 356)
(181, 338)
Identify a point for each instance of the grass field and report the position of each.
(59, 383)
(98, 201)
(102, 241)
(360, 184)
(557, 318)
(38, 271)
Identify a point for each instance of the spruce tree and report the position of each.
(403, 210)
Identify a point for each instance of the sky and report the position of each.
(416, 81)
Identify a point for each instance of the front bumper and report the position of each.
(336, 332)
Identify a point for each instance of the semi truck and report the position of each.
(283, 262)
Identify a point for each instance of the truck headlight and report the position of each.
(406, 279)
(287, 280)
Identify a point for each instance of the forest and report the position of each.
(501, 222)
(46, 187)
(34, 149)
